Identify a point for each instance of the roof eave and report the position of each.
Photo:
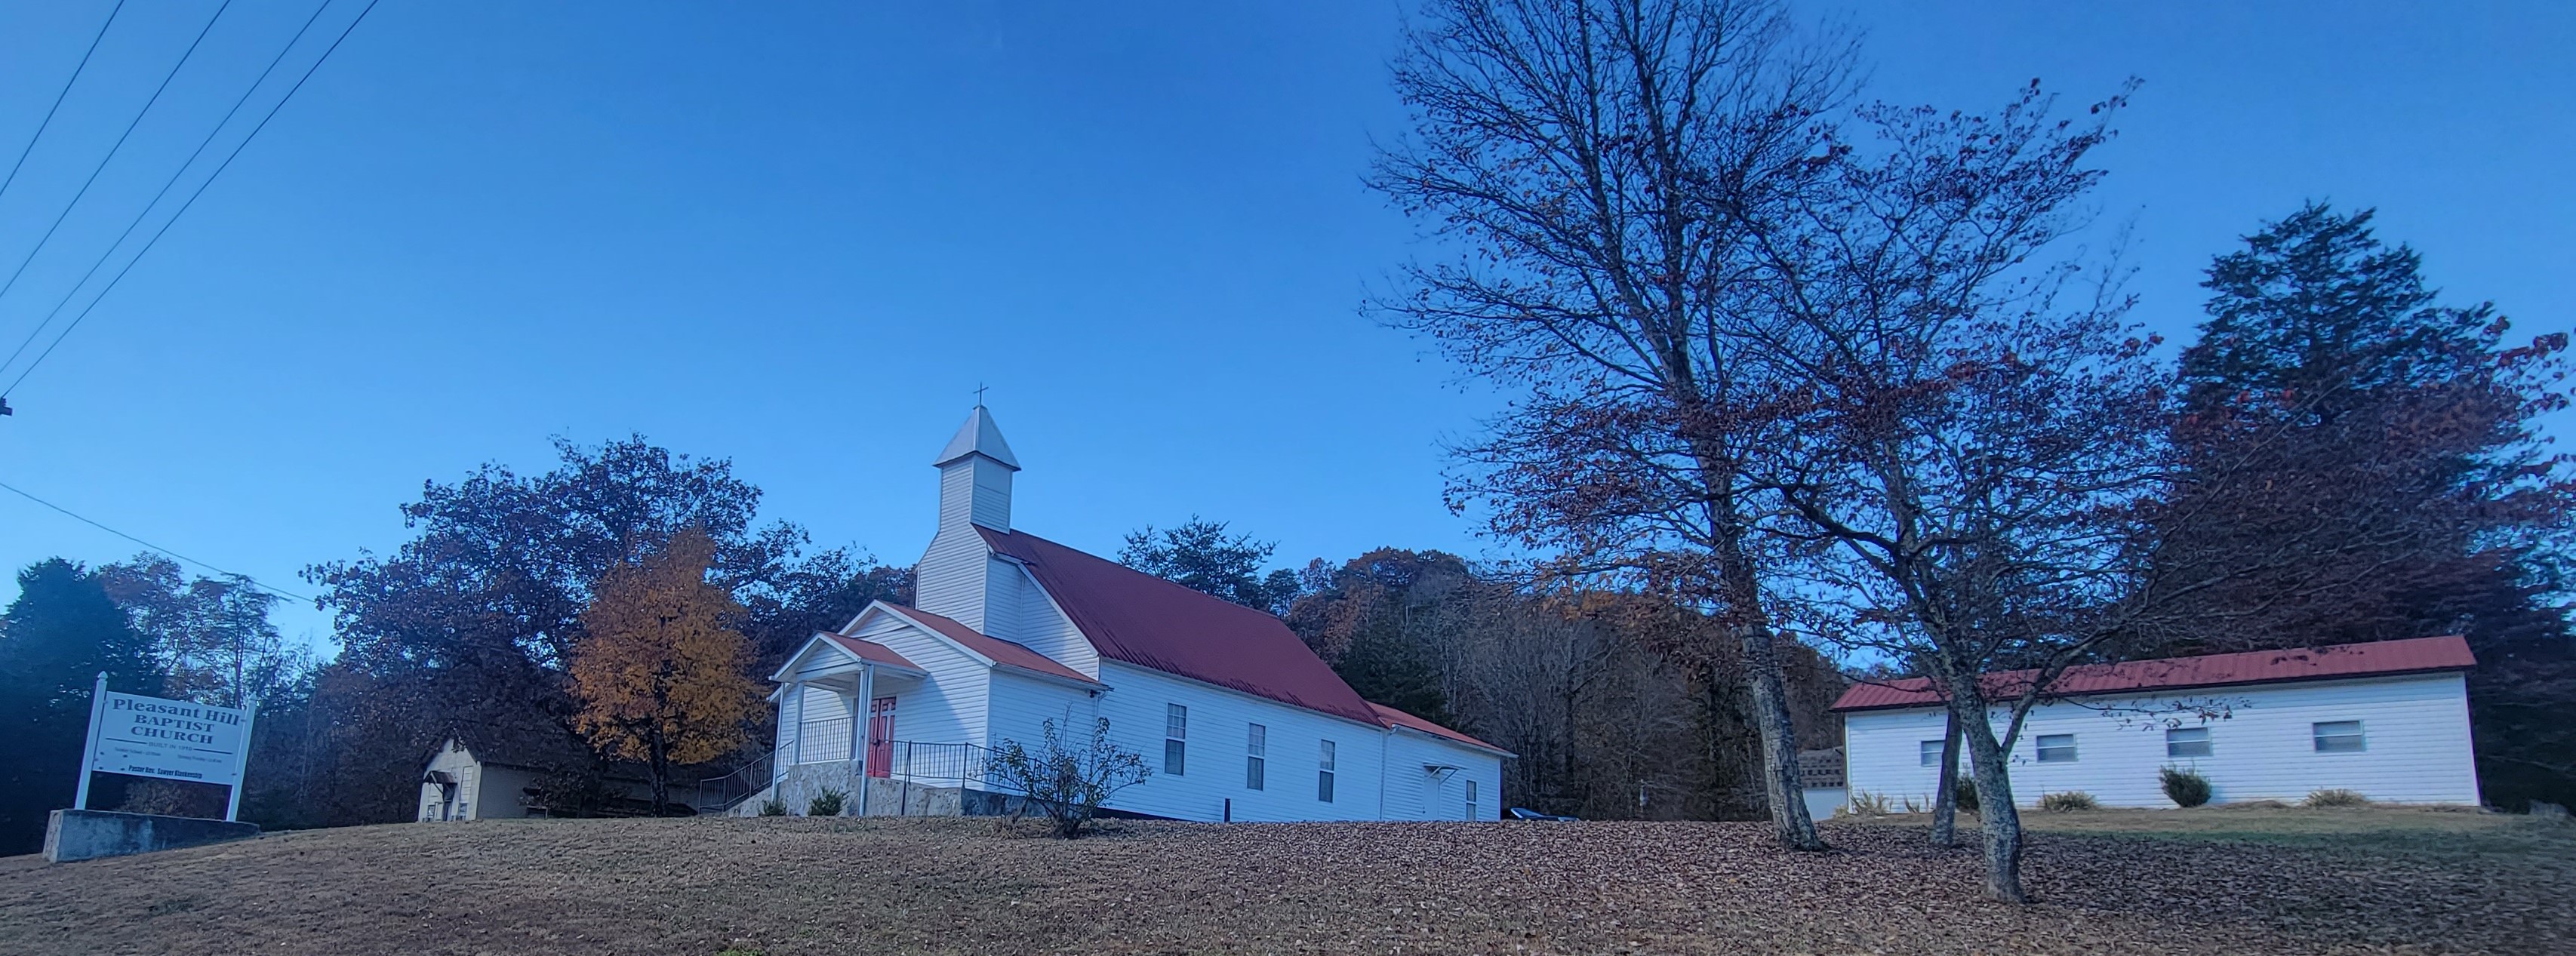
(1936, 704)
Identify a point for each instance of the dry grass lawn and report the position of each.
(2211, 881)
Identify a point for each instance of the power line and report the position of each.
(192, 200)
(58, 98)
(154, 548)
(112, 150)
(175, 175)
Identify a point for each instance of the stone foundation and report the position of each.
(886, 797)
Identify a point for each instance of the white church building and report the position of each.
(1236, 717)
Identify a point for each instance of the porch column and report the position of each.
(794, 700)
(859, 721)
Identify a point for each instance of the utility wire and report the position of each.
(112, 150)
(154, 548)
(58, 98)
(192, 200)
(175, 175)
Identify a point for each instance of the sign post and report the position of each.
(89, 746)
(241, 760)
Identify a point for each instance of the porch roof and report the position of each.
(869, 651)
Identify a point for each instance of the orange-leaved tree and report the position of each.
(662, 675)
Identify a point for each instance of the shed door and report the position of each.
(880, 735)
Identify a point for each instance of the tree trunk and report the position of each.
(1770, 692)
(1996, 814)
(1945, 801)
(659, 768)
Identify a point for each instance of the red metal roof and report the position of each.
(2411, 656)
(868, 650)
(1144, 620)
(1005, 653)
(1394, 717)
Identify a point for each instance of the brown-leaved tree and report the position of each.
(662, 676)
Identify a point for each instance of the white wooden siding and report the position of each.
(1002, 599)
(1219, 721)
(1022, 705)
(2416, 729)
(1414, 793)
(1044, 628)
(992, 487)
(949, 705)
(949, 581)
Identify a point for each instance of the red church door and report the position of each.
(880, 735)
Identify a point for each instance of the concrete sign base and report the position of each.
(91, 834)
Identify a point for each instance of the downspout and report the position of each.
(1382, 771)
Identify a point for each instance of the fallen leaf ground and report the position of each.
(2364, 883)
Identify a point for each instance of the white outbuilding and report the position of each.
(1236, 717)
(2387, 719)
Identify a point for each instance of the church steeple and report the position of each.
(975, 475)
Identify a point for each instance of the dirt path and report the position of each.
(797, 886)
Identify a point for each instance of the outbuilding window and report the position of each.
(2057, 748)
(2338, 737)
(1256, 755)
(1324, 774)
(1176, 737)
(1471, 801)
(1931, 753)
(2187, 742)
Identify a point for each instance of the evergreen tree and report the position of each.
(2330, 383)
(1201, 556)
(55, 639)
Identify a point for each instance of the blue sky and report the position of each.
(800, 235)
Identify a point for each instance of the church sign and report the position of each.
(170, 739)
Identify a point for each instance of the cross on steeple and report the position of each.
(979, 394)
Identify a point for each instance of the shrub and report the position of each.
(2337, 797)
(1965, 795)
(826, 803)
(774, 808)
(1866, 804)
(2186, 788)
(2068, 802)
(1064, 780)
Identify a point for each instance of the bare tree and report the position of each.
(1598, 163)
(1974, 449)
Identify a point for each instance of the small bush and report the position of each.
(2547, 810)
(2068, 802)
(826, 803)
(2337, 798)
(774, 808)
(1064, 779)
(2186, 788)
(1866, 804)
(1965, 797)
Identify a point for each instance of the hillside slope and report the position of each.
(798, 886)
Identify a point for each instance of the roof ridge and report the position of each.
(2405, 655)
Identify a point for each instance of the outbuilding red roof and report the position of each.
(1396, 718)
(1144, 620)
(1005, 653)
(2375, 658)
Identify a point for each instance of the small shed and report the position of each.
(492, 772)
